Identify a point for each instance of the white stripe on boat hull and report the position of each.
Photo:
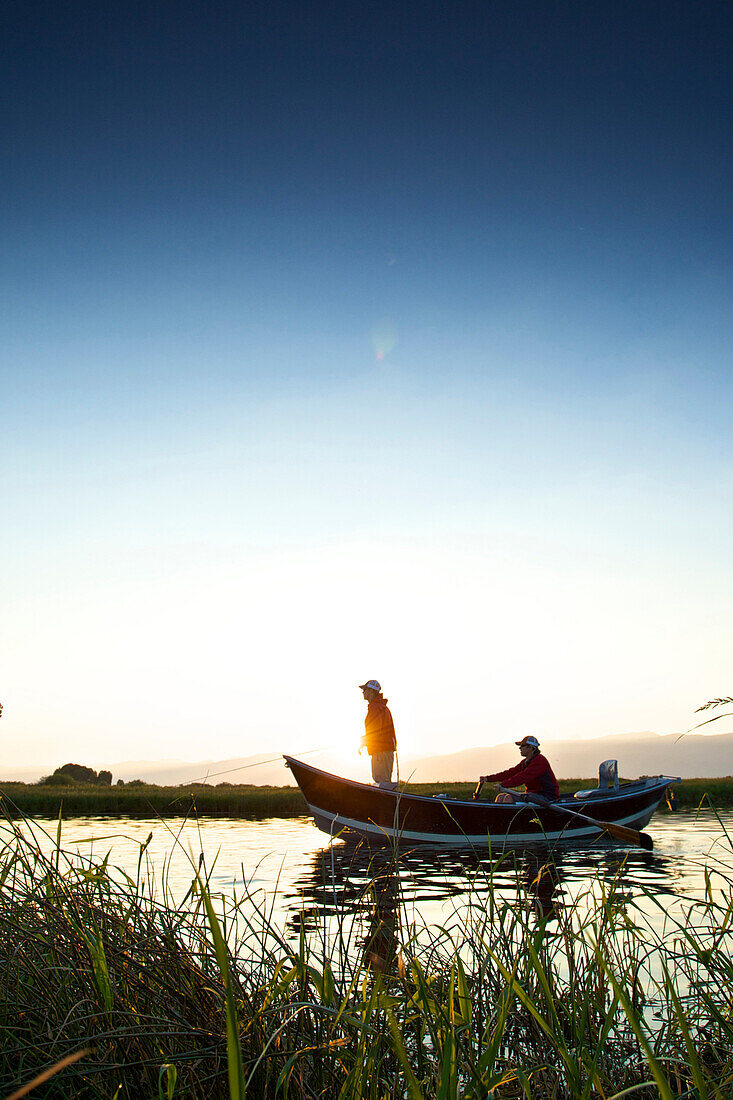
(333, 824)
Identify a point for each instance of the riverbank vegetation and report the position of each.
(232, 800)
(115, 993)
(150, 800)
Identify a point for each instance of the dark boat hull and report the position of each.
(343, 807)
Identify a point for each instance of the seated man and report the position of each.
(534, 774)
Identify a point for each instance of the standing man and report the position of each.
(379, 737)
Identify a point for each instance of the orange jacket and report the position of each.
(379, 734)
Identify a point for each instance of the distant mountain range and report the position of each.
(692, 755)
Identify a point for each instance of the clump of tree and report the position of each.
(71, 774)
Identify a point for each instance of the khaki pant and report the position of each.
(382, 767)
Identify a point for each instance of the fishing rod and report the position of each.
(258, 764)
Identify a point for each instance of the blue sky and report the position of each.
(346, 341)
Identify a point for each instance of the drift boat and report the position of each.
(346, 808)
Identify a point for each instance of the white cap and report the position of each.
(529, 741)
(373, 684)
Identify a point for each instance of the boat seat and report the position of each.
(607, 781)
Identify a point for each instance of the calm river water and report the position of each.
(288, 868)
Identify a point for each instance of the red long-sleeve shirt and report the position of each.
(535, 774)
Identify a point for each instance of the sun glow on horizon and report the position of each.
(470, 650)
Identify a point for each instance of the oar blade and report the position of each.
(631, 836)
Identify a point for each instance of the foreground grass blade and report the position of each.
(655, 1066)
(234, 1049)
(413, 1085)
(47, 1075)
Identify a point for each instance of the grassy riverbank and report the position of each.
(149, 800)
(229, 800)
(507, 1001)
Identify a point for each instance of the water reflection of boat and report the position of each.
(378, 892)
(359, 890)
(372, 891)
(343, 807)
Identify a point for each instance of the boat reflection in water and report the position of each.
(371, 899)
(379, 896)
(542, 882)
(358, 892)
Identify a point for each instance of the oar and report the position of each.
(622, 832)
(477, 792)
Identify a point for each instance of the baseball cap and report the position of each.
(373, 684)
(528, 741)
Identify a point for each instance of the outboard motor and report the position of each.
(608, 775)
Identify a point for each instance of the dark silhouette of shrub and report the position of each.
(79, 772)
(69, 774)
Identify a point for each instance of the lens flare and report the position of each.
(384, 338)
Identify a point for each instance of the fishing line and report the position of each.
(244, 767)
